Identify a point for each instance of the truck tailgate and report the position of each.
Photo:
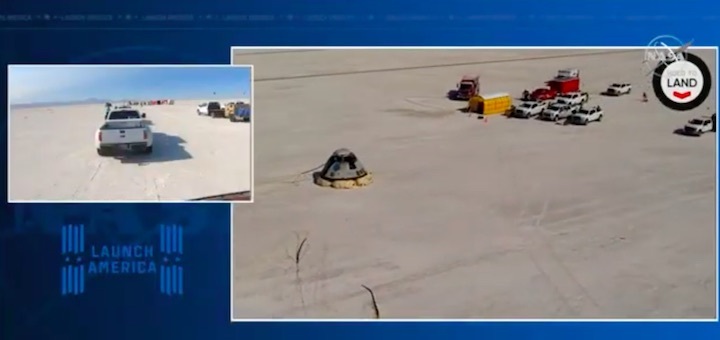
(123, 131)
(123, 136)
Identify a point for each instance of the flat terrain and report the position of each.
(52, 156)
(503, 218)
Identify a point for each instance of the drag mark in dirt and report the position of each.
(84, 186)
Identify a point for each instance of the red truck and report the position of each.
(567, 80)
(468, 87)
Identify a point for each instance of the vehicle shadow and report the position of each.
(166, 148)
(681, 132)
(232, 196)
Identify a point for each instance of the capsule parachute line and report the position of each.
(343, 170)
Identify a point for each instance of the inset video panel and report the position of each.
(140, 133)
(486, 184)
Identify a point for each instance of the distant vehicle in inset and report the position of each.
(557, 111)
(229, 109)
(529, 109)
(241, 112)
(124, 130)
(584, 116)
(215, 110)
(468, 87)
(566, 81)
(699, 126)
(202, 109)
(618, 89)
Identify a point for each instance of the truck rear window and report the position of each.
(465, 86)
(213, 106)
(125, 114)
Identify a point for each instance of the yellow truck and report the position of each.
(229, 109)
(238, 111)
(490, 104)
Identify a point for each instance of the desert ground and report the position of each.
(471, 218)
(52, 156)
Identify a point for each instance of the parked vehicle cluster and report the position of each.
(238, 111)
(559, 100)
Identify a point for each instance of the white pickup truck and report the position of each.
(572, 98)
(529, 109)
(586, 115)
(558, 111)
(124, 130)
(698, 126)
(618, 89)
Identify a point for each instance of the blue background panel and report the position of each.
(142, 32)
(117, 306)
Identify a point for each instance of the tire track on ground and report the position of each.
(591, 204)
(573, 295)
(620, 203)
(422, 67)
(572, 292)
(569, 289)
(432, 271)
(83, 187)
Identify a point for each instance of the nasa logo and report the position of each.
(682, 84)
(660, 51)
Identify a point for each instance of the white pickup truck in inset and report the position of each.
(124, 130)
(202, 109)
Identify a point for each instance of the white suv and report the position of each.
(618, 89)
(202, 109)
